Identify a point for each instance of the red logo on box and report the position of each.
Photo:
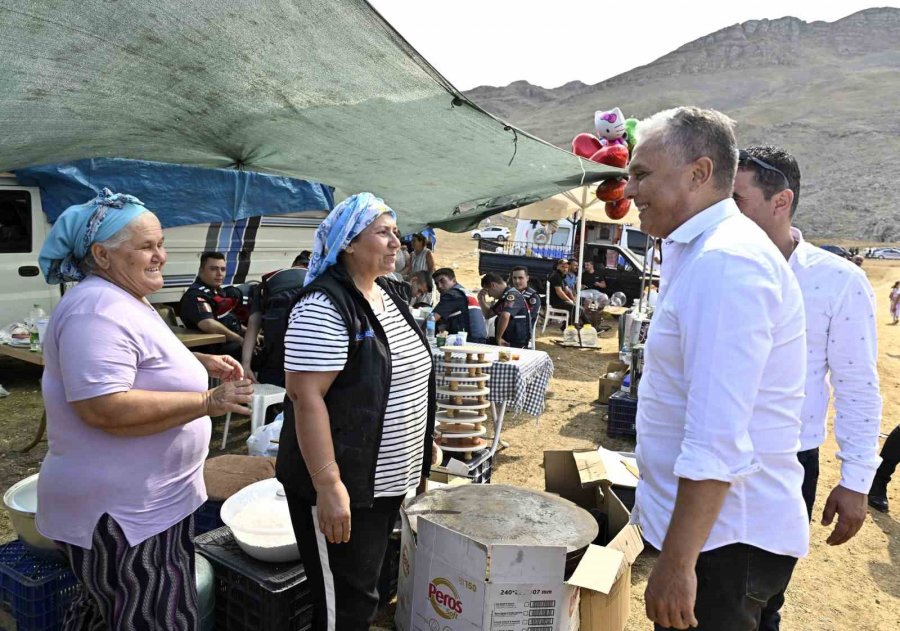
(444, 599)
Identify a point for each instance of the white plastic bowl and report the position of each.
(20, 501)
(258, 516)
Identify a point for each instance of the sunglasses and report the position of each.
(744, 158)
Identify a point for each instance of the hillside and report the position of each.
(826, 91)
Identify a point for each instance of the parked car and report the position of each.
(887, 253)
(491, 232)
(836, 249)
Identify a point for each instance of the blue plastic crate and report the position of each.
(622, 412)
(35, 590)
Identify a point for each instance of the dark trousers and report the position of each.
(890, 458)
(343, 577)
(771, 618)
(734, 583)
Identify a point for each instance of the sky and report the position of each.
(551, 42)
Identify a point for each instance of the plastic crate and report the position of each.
(207, 517)
(34, 590)
(253, 595)
(622, 412)
(480, 473)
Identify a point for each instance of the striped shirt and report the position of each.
(317, 340)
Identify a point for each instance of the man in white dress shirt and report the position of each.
(718, 421)
(841, 345)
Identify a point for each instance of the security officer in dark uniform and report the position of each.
(513, 327)
(519, 279)
(204, 306)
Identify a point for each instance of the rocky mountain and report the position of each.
(829, 92)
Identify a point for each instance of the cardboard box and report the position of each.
(464, 585)
(582, 478)
(608, 385)
(439, 477)
(451, 582)
(406, 575)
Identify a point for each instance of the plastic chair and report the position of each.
(264, 395)
(552, 313)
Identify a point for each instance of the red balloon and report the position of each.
(612, 155)
(611, 190)
(618, 209)
(585, 145)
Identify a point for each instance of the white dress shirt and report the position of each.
(840, 339)
(722, 388)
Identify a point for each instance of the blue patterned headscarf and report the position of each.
(341, 226)
(80, 226)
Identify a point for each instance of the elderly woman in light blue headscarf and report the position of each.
(359, 415)
(128, 426)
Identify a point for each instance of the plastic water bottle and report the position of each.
(430, 327)
(589, 336)
(34, 339)
(35, 314)
(570, 335)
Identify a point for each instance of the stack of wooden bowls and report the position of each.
(462, 403)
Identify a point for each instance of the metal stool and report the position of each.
(264, 395)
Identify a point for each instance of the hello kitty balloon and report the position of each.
(610, 127)
(609, 146)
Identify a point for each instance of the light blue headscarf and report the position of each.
(80, 226)
(342, 225)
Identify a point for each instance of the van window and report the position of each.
(636, 241)
(15, 222)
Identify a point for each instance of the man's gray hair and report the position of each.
(88, 264)
(690, 133)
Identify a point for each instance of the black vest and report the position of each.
(357, 399)
(518, 331)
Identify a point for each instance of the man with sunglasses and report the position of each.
(841, 341)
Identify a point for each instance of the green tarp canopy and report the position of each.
(322, 90)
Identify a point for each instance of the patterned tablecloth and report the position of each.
(522, 383)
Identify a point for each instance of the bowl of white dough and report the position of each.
(259, 518)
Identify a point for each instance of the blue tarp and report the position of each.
(178, 195)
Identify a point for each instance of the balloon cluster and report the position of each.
(611, 146)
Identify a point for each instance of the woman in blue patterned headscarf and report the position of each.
(359, 414)
(63, 255)
(341, 226)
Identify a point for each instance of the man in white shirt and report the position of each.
(841, 345)
(718, 421)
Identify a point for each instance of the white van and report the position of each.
(556, 239)
(251, 246)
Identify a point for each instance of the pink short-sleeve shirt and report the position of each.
(102, 340)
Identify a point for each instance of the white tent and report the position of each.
(567, 204)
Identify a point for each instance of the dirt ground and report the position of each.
(854, 586)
